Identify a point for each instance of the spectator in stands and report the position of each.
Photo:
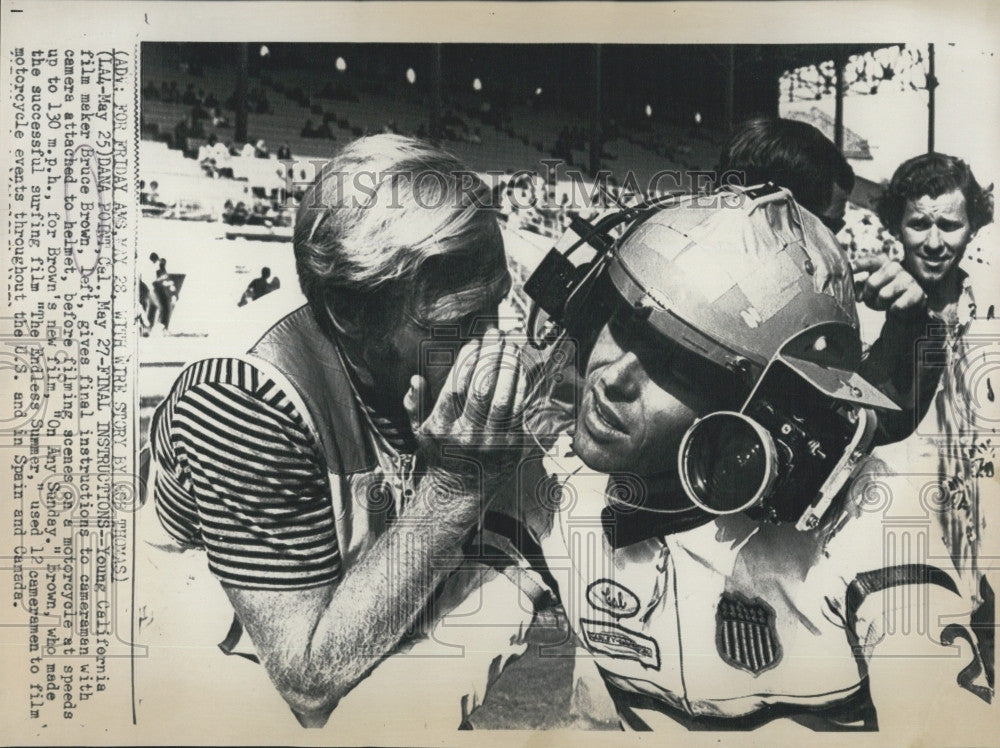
(153, 197)
(260, 149)
(218, 118)
(248, 150)
(319, 560)
(275, 215)
(284, 152)
(235, 215)
(223, 160)
(197, 129)
(257, 213)
(260, 286)
(181, 133)
(206, 156)
(935, 207)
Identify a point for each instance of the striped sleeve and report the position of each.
(240, 475)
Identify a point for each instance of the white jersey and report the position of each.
(735, 622)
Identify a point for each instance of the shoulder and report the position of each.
(226, 393)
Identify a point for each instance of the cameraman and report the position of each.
(723, 613)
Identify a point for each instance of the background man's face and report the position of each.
(637, 403)
(935, 232)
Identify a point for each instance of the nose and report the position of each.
(620, 378)
(933, 241)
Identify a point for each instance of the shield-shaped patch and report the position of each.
(745, 633)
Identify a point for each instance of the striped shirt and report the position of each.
(241, 476)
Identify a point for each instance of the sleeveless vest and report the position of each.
(370, 482)
(367, 477)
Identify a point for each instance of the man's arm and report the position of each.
(893, 363)
(318, 643)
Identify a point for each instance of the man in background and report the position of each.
(260, 286)
(935, 207)
(794, 155)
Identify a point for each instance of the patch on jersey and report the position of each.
(745, 633)
(620, 643)
(613, 598)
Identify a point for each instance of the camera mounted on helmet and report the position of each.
(758, 295)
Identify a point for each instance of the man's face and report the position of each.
(935, 232)
(638, 401)
(428, 340)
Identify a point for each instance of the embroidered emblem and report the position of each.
(620, 643)
(613, 598)
(745, 633)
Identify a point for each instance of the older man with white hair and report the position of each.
(304, 468)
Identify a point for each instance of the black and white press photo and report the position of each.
(582, 398)
(461, 373)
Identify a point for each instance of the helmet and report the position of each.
(733, 275)
(746, 280)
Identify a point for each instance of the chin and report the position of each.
(593, 455)
(930, 278)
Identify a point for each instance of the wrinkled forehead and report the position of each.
(950, 204)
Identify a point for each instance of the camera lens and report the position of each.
(727, 462)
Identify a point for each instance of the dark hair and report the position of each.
(791, 154)
(933, 174)
(265, 272)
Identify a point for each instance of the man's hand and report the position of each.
(884, 285)
(319, 642)
(892, 361)
(476, 422)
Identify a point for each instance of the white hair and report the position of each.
(378, 210)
